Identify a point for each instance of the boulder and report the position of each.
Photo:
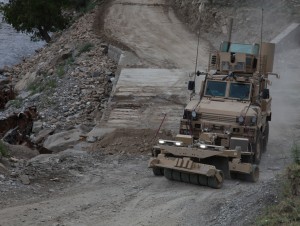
(25, 81)
(63, 140)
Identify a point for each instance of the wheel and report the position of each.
(194, 179)
(158, 171)
(254, 175)
(168, 174)
(257, 149)
(202, 180)
(176, 175)
(185, 177)
(213, 181)
(233, 175)
(265, 138)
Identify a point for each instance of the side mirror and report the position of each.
(191, 85)
(266, 94)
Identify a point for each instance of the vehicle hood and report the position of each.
(232, 108)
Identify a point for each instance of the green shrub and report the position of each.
(296, 153)
(60, 71)
(51, 84)
(70, 60)
(85, 48)
(34, 88)
(3, 150)
(17, 103)
(287, 210)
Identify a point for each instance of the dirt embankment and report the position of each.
(135, 141)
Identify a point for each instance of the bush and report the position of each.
(287, 211)
(296, 153)
(3, 149)
(17, 103)
(85, 48)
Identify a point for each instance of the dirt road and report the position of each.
(120, 190)
(151, 30)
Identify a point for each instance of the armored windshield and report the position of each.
(240, 48)
(239, 90)
(215, 88)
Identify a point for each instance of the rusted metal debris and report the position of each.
(16, 128)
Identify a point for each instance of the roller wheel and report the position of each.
(168, 174)
(185, 177)
(176, 175)
(254, 175)
(194, 179)
(213, 181)
(158, 171)
(202, 180)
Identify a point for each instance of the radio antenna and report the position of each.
(261, 40)
(197, 55)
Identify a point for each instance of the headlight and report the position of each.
(227, 131)
(253, 119)
(178, 143)
(241, 119)
(206, 129)
(161, 141)
(202, 146)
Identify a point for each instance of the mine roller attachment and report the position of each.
(186, 170)
(198, 179)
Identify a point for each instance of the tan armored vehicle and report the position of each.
(224, 131)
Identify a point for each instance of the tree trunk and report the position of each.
(44, 34)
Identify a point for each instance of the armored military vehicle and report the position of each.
(224, 131)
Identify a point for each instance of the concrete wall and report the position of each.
(114, 53)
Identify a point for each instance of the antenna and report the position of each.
(196, 65)
(261, 40)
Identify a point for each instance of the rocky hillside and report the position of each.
(69, 80)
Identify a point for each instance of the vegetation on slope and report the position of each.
(287, 210)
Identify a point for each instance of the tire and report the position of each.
(168, 174)
(176, 175)
(185, 177)
(265, 137)
(158, 171)
(254, 175)
(257, 149)
(202, 180)
(194, 179)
